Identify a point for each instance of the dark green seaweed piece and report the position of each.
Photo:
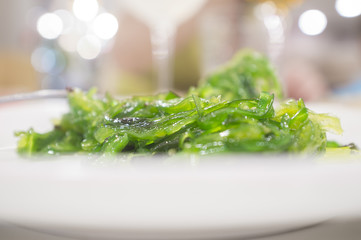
(245, 76)
(231, 111)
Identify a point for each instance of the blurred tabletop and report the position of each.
(338, 229)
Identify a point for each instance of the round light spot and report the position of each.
(312, 22)
(105, 26)
(348, 8)
(89, 47)
(49, 26)
(43, 59)
(67, 18)
(68, 42)
(85, 10)
(265, 9)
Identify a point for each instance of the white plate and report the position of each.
(218, 197)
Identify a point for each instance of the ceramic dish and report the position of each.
(218, 197)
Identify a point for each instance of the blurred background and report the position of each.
(141, 47)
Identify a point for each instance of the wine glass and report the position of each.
(163, 18)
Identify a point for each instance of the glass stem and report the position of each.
(162, 39)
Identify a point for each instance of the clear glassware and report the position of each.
(163, 18)
(228, 26)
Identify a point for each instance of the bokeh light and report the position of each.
(49, 26)
(265, 9)
(43, 59)
(105, 26)
(67, 20)
(85, 10)
(68, 42)
(86, 30)
(312, 22)
(89, 47)
(348, 8)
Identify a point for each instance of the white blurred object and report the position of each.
(89, 47)
(83, 33)
(76, 32)
(85, 10)
(49, 26)
(105, 26)
(163, 18)
(312, 22)
(274, 22)
(67, 19)
(348, 8)
(155, 11)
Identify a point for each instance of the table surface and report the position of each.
(340, 229)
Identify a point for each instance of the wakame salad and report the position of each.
(232, 110)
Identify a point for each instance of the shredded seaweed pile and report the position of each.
(232, 110)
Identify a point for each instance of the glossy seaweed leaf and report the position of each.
(247, 75)
(231, 111)
(191, 124)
